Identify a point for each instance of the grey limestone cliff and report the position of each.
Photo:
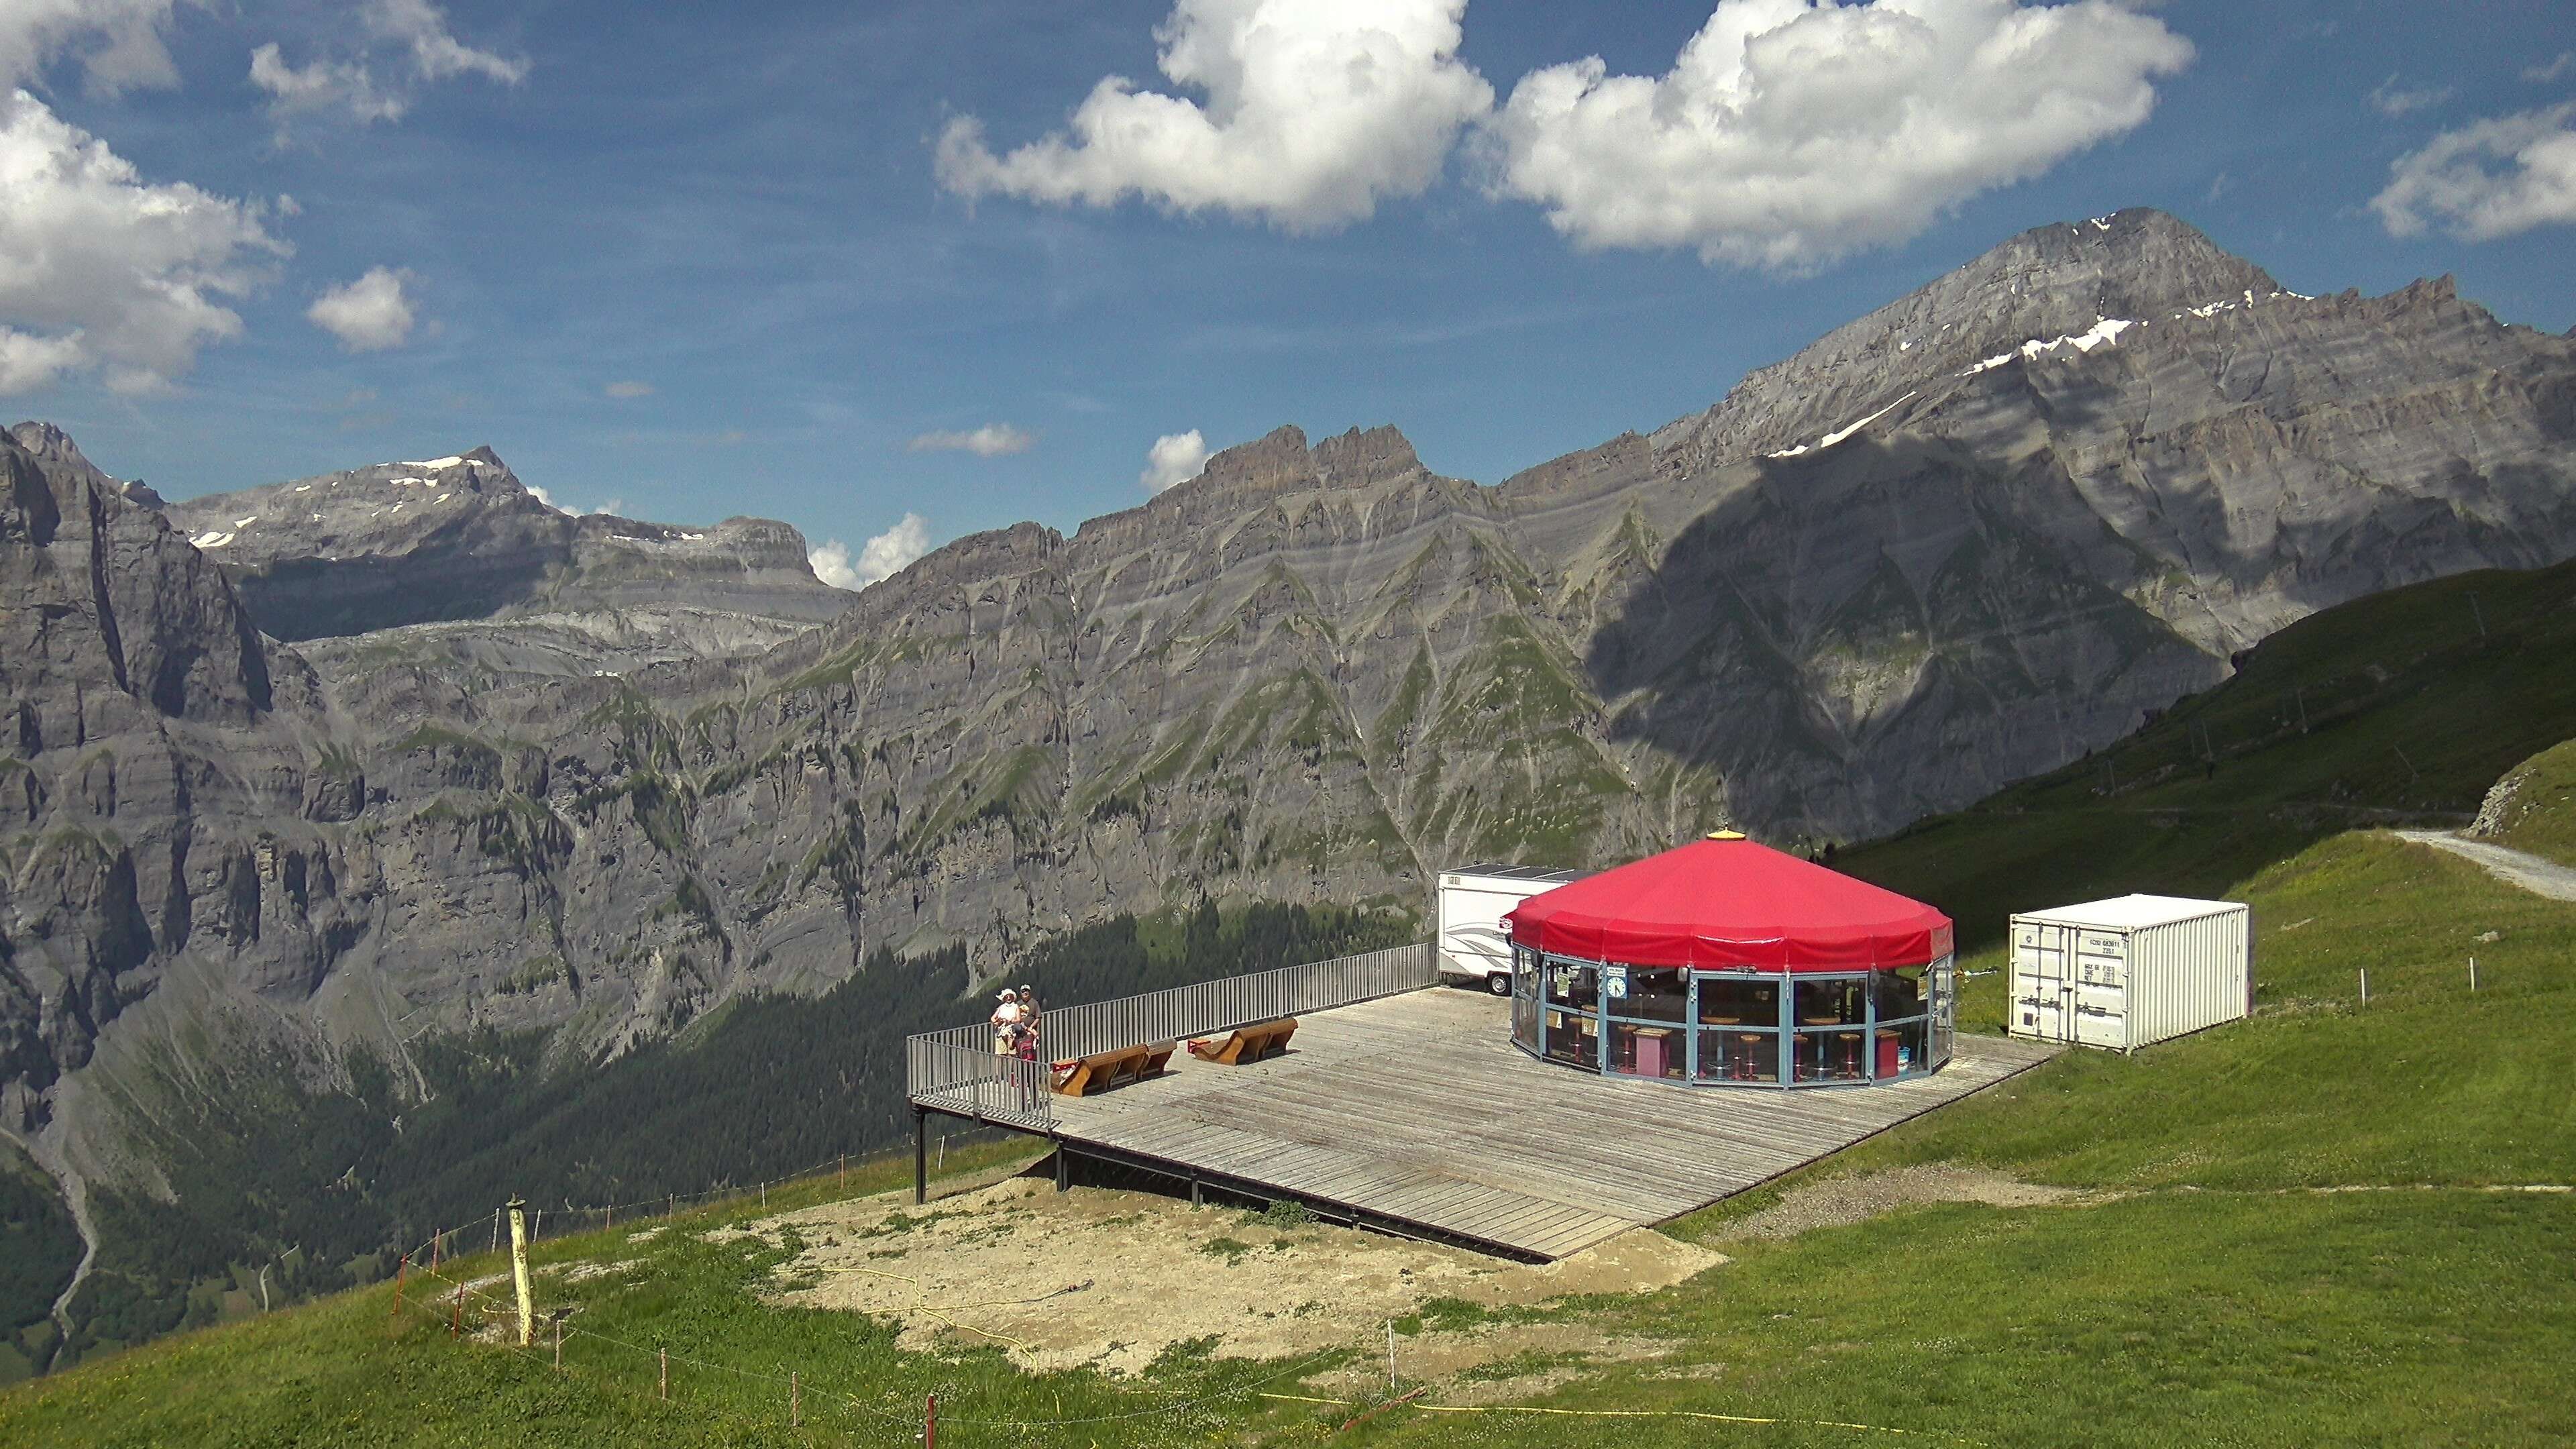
(453, 564)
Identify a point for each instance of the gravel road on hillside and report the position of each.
(2513, 867)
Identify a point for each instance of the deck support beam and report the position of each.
(920, 1156)
(1063, 1167)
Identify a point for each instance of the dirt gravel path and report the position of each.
(2533, 873)
(1838, 1201)
(1114, 1279)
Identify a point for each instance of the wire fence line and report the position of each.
(460, 1239)
(447, 1306)
(960, 1071)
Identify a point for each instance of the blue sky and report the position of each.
(743, 209)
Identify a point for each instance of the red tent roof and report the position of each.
(1726, 901)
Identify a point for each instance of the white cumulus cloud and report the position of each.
(2392, 100)
(323, 85)
(628, 389)
(2543, 74)
(1790, 133)
(1175, 458)
(398, 46)
(368, 315)
(2489, 179)
(119, 41)
(831, 563)
(100, 269)
(880, 558)
(435, 53)
(1315, 111)
(993, 440)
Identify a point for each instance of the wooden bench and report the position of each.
(1103, 1070)
(1246, 1044)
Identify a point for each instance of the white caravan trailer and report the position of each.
(2130, 972)
(1475, 945)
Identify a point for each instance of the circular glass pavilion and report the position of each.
(1728, 963)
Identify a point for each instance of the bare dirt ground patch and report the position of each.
(1113, 1279)
(1837, 1201)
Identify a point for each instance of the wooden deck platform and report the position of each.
(1414, 1112)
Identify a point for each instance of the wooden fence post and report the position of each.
(518, 1210)
(401, 1270)
(662, 1386)
(795, 1402)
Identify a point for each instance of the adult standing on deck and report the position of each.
(1031, 1021)
(1009, 1022)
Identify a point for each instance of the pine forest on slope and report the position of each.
(1962, 540)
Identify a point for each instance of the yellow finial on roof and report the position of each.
(1726, 835)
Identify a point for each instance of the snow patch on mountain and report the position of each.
(1839, 434)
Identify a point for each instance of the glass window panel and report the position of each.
(1524, 971)
(1831, 1001)
(1846, 1056)
(1525, 1021)
(1900, 1051)
(1729, 1054)
(1807, 1056)
(1571, 987)
(1570, 1037)
(1646, 1051)
(1739, 1001)
(1654, 995)
(1900, 992)
(1945, 1010)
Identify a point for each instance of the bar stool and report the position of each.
(1847, 1054)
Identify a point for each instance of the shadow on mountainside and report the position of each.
(1859, 638)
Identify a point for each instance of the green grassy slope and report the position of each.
(2289, 1237)
(2408, 703)
(2541, 816)
(2215, 1286)
(263, 1165)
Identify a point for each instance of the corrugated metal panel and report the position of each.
(2104, 982)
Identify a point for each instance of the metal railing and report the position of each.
(976, 1081)
(937, 1069)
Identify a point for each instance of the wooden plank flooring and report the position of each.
(1416, 1108)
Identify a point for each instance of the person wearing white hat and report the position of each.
(1007, 1018)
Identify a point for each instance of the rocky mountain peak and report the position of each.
(56, 453)
(1358, 459)
(2057, 281)
(1278, 461)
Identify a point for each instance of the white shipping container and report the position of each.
(2130, 972)
(1474, 943)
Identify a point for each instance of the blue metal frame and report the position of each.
(1936, 1021)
